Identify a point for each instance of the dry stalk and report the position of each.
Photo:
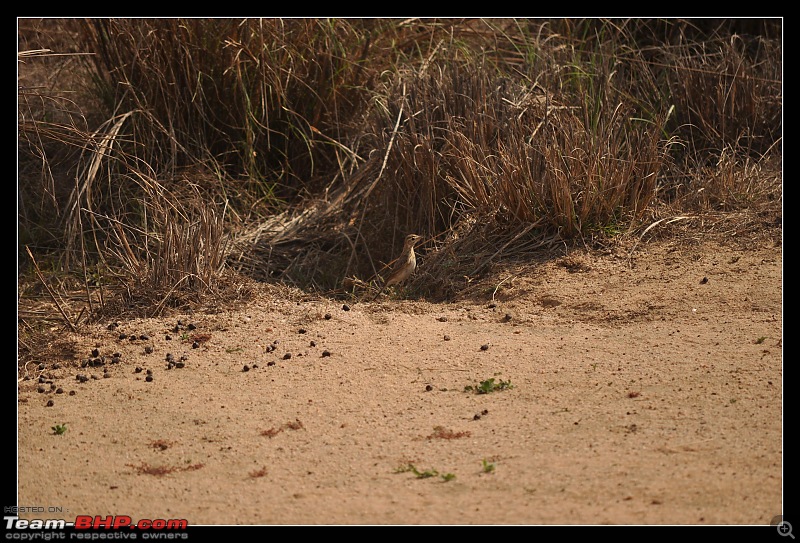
(50, 292)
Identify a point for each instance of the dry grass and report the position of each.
(163, 163)
(159, 471)
(440, 432)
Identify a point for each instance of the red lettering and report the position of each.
(122, 521)
(82, 522)
(107, 522)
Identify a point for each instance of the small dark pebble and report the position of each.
(191, 326)
(428, 388)
(95, 353)
(704, 280)
(56, 366)
(42, 379)
(195, 345)
(276, 342)
(168, 337)
(326, 353)
(84, 363)
(271, 363)
(123, 336)
(170, 357)
(71, 392)
(446, 337)
(184, 358)
(270, 348)
(112, 326)
(149, 372)
(50, 403)
(137, 369)
(345, 307)
(246, 368)
(149, 378)
(485, 412)
(148, 349)
(52, 386)
(81, 378)
(327, 316)
(144, 337)
(492, 305)
(180, 364)
(95, 377)
(287, 356)
(106, 375)
(301, 331)
(59, 390)
(442, 319)
(40, 389)
(485, 347)
(176, 329)
(255, 366)
(132, 338)
(313, 343)
(508, 317)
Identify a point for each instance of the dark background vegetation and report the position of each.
(163, 163)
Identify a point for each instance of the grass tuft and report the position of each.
(165, 164)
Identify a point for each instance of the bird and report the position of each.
(404, 265)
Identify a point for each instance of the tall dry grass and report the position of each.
(303, 150)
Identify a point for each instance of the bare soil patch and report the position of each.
(643, 391)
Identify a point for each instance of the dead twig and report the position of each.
(378, 177)
(669, 220)
(50, 291)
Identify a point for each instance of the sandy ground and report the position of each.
(643, 391)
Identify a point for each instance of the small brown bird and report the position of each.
(404, 266)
